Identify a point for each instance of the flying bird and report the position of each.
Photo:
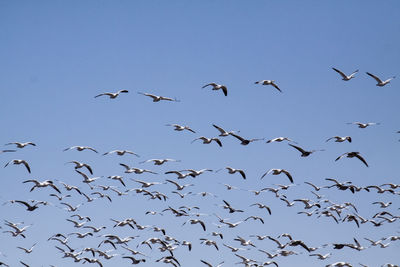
(277, 172)
(244, 141)
(81, 148)
(344, 76)
(157, 98)
(340, 139)
(364, 125)
(121, 152)
(18, 162)
(112, 95)
(379, 81)
(21, 145)
(178, 127)
(208, 140)
(352, 155)
(305, 153)
(217, 87)
(269, 82)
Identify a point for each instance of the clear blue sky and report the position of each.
(57, 55)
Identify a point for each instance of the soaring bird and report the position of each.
(305, 153)
(42, 184)
(344, 76)
(352, 155)
(379, 81)
(121, 152)
(364, 125)
(19, 161)
(280, 139)
(244, 141)
(340, 139)
(233, 171)
(277, 172)
(81, 148)
(21, 145)
(208, 140)
(113, 95)
(269, 82)
(157, 98)
(222, 131)
(216, 86)
(178, 127)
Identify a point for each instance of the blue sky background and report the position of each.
(57, 55)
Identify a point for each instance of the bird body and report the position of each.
(216, 86)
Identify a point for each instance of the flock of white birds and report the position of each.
(133, 242)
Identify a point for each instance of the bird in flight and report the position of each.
(379, 81)
(208, 140)
(178, 127)
(340, 139)
(81, 148)
(364, 125)
(19, 161)
(244, 141)
(157, 98)
(352, 155)
(277, 172)
(112, 95)
(223, 132)
(304, 153)
(269, 82)
(121, 152)
(216, 86)
(21, 145)
(344, 76)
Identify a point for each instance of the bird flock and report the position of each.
(168, 191)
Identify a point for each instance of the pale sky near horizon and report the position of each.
(57, 55)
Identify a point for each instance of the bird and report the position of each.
(344, 76)
(28, 206)
(113, 95)
(262, 206)
(42, 184)
(314, 186)
(322, 257)
(269, 82)
(352, 155)
(280, 139)
(379, 81)
(121, 152)
(222, 131)
(17, 162)
(208, 140)
(79, 165)
(340, 139)
(244, 141)
(364, 125)
(230, 208)
(210, 265)
(134, 261)
(135, 170)
(233, 171)
(118, 178)
(178, 186)
(7, 150)
(157, 98)
(209, 242)
(383, 204)
(195, 221)
(160, 161)
(21, 145)
(27, 250)
(179, 128)
(81, 148)
(216, 86)
(303, 152)
(277, 172)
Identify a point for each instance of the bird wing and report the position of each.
(206, 263)
(375, 77)
(288, 175)
(212, 84)
(225, 90)
(276, 86)
(362, 159)
(242, 173)
(298, 148)
(237, 136)
(222, 131)
(341, 73)
(218, 141)
(341, 156)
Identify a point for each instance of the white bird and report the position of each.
(344, 76)
(277, 172)
(81, 148)
(208, 140)
(179, 128)
(364, 125)
(216, 86)
(118, 178)
(145, 184)
(27, 250)
(21, 145)
(269, 82)
(222, 131)
(121, 152)
(340, 139)
(280, 139)
(233, 171)
(379, 81)
(42, 184)
(352, 155)
(135, 170)
(160, 161)
(18, 162)
(178, 186)
(113, 95)
(383, 204)
(79, 165)
(157, 98)
(86, 178)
